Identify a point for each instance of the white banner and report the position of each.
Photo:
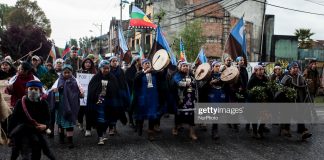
(84, 79)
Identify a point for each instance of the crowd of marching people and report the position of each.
(47, 95)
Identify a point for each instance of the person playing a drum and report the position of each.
(146, 98)
(215, 92)
(230, 75)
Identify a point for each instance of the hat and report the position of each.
(225, 56)
(215, 63)
(8, 58)
(292, 64)
(6, 61)
(239, 58)
(91, 56)
(103, 63)
(112, 57)
(67, 66)
(183, 63)
(73, 48)
(36, 57)
(257, 67)
(145, 60)
(34, 83)
(59, 60)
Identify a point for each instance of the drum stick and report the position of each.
(228, 75)
(156, 60)
(202, 71)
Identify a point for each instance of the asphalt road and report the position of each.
(231, 145)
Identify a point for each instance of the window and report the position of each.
(212, 19)
(147, 39)
(214, 39)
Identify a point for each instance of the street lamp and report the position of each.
(100, 37)
(121, 9)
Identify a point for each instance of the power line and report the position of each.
(296, 10)
(200, 7)
(227, 7)
(315, 2)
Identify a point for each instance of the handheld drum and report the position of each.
(230, 74)
(160, 60)
(203, 71)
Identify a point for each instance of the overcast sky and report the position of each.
(74, 18)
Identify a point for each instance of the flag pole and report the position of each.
(49, 54)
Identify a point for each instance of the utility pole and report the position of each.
(121, 11)
(143, 30)
(100, 40)
(263, 56)
(100, 37)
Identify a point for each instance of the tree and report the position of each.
(305, 42)
(17, 41)
(26, 13)
(73, 42)
(4, 11)
(85, 42)
(192, 36)
(160, 15)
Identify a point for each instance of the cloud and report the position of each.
(286, 22)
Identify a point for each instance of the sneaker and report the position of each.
(87, 133)
(81, 127)
(101, 141)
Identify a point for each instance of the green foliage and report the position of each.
(305, 42)
(49, 79)
(275, 88)
(4, 11)
(73, 42)
(160, 15)
(85, 42)
(27, 13)
(259, 93)
(193, 39)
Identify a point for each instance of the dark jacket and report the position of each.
(39, 111)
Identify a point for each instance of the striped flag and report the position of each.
(182, 52)
(140, 20)
(52, 53)
(66, 51)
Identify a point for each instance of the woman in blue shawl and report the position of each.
(123, 90)
(146, 98)
(216, 92)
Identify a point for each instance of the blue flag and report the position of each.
(239, 34)
(122, 41)
(202, 57)
(164, 43)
